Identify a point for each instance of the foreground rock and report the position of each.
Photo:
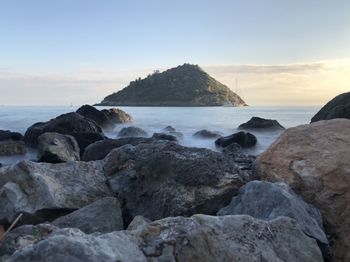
(199, 238)
(8, 135)
(164, 179)
(338, 107)
(9, 148)
(43, 191)
(245, 140)
(66, 124)
(268, 201)
(206, 134)
(315, 161)
(261, 124)
(132, 131)
(57, 148)
(103, 215)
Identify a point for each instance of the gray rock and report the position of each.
(245, 140)
(8, 135)
(259, 123)
(103, 215)
(162, 136)
(206, 134)
(44, 191)
(57, 148)
(164, 179)
(85, 139)
(117, 116)
(132, 131)
(95, 115)
(9, 148)
(265, 200)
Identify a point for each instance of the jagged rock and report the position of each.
(57, 148)
(8, 135)
(132, 131)
(315, 161)
(162, 136)
(85, 139)
(117, 116)
(244, 139)
(162, 179)
(43, 191)
(12, 148)
(261, 124)
(66, 124)
(206, 134)
(103, 215)
(268, 201)
(338, 107)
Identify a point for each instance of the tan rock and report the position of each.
(315, 161)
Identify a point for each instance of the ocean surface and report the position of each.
(187, 120)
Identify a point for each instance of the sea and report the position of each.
(187, 120)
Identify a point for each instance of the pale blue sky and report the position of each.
(64, 36)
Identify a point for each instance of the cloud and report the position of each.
(311, 83)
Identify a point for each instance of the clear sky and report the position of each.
(78, 51)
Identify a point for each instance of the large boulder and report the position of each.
(162, 179)
(57, 148)
(268, 201)
(117, 116)
(315, 161)
(8, 135)
(43, 191)
(103, 215)
(10, 147)
(96, 115)
(66, 124)
(85, 139)
(338, 107)
(244, 139)
(206, 134)
(259, 123)
(132, 131)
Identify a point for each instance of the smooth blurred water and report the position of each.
(187, 120)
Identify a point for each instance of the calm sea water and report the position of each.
(187, 120)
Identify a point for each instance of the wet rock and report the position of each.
(162, 136)
(206, 134)
(261, 124)
(8, 135)
(244, 139)
(95, 115)
(9, 148)
(85, 139)
(132, 131)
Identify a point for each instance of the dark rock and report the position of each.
(162, 179)
(338, 107)
(86, 139)
(268, 201)
(12, 148)
(162, 136)
(132, 131)
(57, 148)
(117, 116)
(103, 215)
(206, 134)
(64, 124)
(8, 135)
(169, 129)
(244, 139)
(261, 123)
(96, 115)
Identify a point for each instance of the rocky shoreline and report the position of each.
(143, 197)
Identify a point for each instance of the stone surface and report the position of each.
(338, 107)
(206, 134)
(162, 136)
(95, 115)
(12, 148)
(261, 124)
(8, 135)
(162, 179)
(57, 148)
(117, 116)
(244, 139)
(315, 161)
(85, 139)
(43, 191)
(132, 131)
(103, 215)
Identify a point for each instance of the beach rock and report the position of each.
(64, 124)
(169, 129)
(117, 116)
(206, 134)
(8, 135)
(268, 201)
(103, 215)
(338, 107)
(132, 131)
(95, 115)
(162, 136)
(244, 139)
(57, 148)
(44, 191)
(100, 149)
(315, 161)
(260, 124)
(162, 179)
(12, 148)
(85, 139)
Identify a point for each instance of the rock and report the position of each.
(100, 149)
(132, 131)
(43, 191)
(338, 107)
(268, 201)
(245, 140)
(261, 123)
(138, 222)
(233, 150)
(162, 136)
(315, 161)
(117, 116)
(162, 179)
(65, 124)
(95, 115)
(85, 139)
(103, 215)
(206, 134)
(169, 129)
(57, 148)
(8, 135)
(12, 148)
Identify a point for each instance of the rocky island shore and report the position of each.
(146, 197)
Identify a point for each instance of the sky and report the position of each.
(282, 52)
